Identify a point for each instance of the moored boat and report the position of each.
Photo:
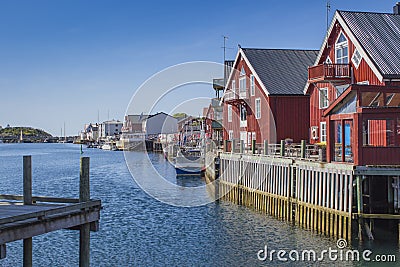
(189, 162)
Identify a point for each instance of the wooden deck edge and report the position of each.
(40, 199)
(45, 214)
(31, 229)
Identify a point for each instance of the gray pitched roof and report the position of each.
(379, 35)
(137, 118)
(282, 71)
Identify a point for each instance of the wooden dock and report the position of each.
(26, 216)
(335, 199)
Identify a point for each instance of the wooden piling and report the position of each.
(266, 147)
(27, 188)
(84, 232)
(303, 149)
(359, 205)
(3, 251)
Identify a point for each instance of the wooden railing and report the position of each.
(324, 72)
(294, 151)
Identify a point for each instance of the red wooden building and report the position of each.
(354, 86)
(264, 99)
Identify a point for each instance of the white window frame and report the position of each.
(242, 72)
(234, 87)
(257, 107)
(252, 85)
(328, 60)
(229, 113)
(243, 122)
(326, 100)
(242, 84)
(322, 132)
(356, 58)
(230, 134)
(341, 46)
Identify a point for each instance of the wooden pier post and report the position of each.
(303, 149)
(282, 153)
(27, 184)
(359, 205)
(266, 147)
(84, 232)
(253, 147)
(241, 148)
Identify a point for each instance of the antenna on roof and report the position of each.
(328, 9)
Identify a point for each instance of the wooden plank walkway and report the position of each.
(26, 216)
(18, 221)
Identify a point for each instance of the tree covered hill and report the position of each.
(28, 133)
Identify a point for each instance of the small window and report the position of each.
(229, 113)
(379, 132)
(252, 85)
(323, 98)
(230, 133)
(258, 108)
(322, 133)
(242, 72)
(328, 60)
(242, 84)
(356, 58)
(342, 50)
(243, 113)
(234, 86)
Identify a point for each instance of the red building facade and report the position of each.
(354, 89)
(264, 97)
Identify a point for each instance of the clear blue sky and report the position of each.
(63, 61)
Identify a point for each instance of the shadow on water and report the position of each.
(189, 180)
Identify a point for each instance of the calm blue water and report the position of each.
(136, 230)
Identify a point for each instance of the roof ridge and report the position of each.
(279, 49)
(367, 12)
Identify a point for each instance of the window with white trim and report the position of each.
(356, 58)
(230, 134)
(229, 113)
(342, 50)
(328, 60)
(242, 72)
(323, 98)
(258, 108)
(243, 116)
(234, 86)
(242, 84)
(322, 133)
(252, 85)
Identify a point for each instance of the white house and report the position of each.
(110, 128)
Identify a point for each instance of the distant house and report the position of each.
(159, 123)
(355, 89)
(110, 128)
(213, 120)
(133, 123)
(264, 97)
(90, 132)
